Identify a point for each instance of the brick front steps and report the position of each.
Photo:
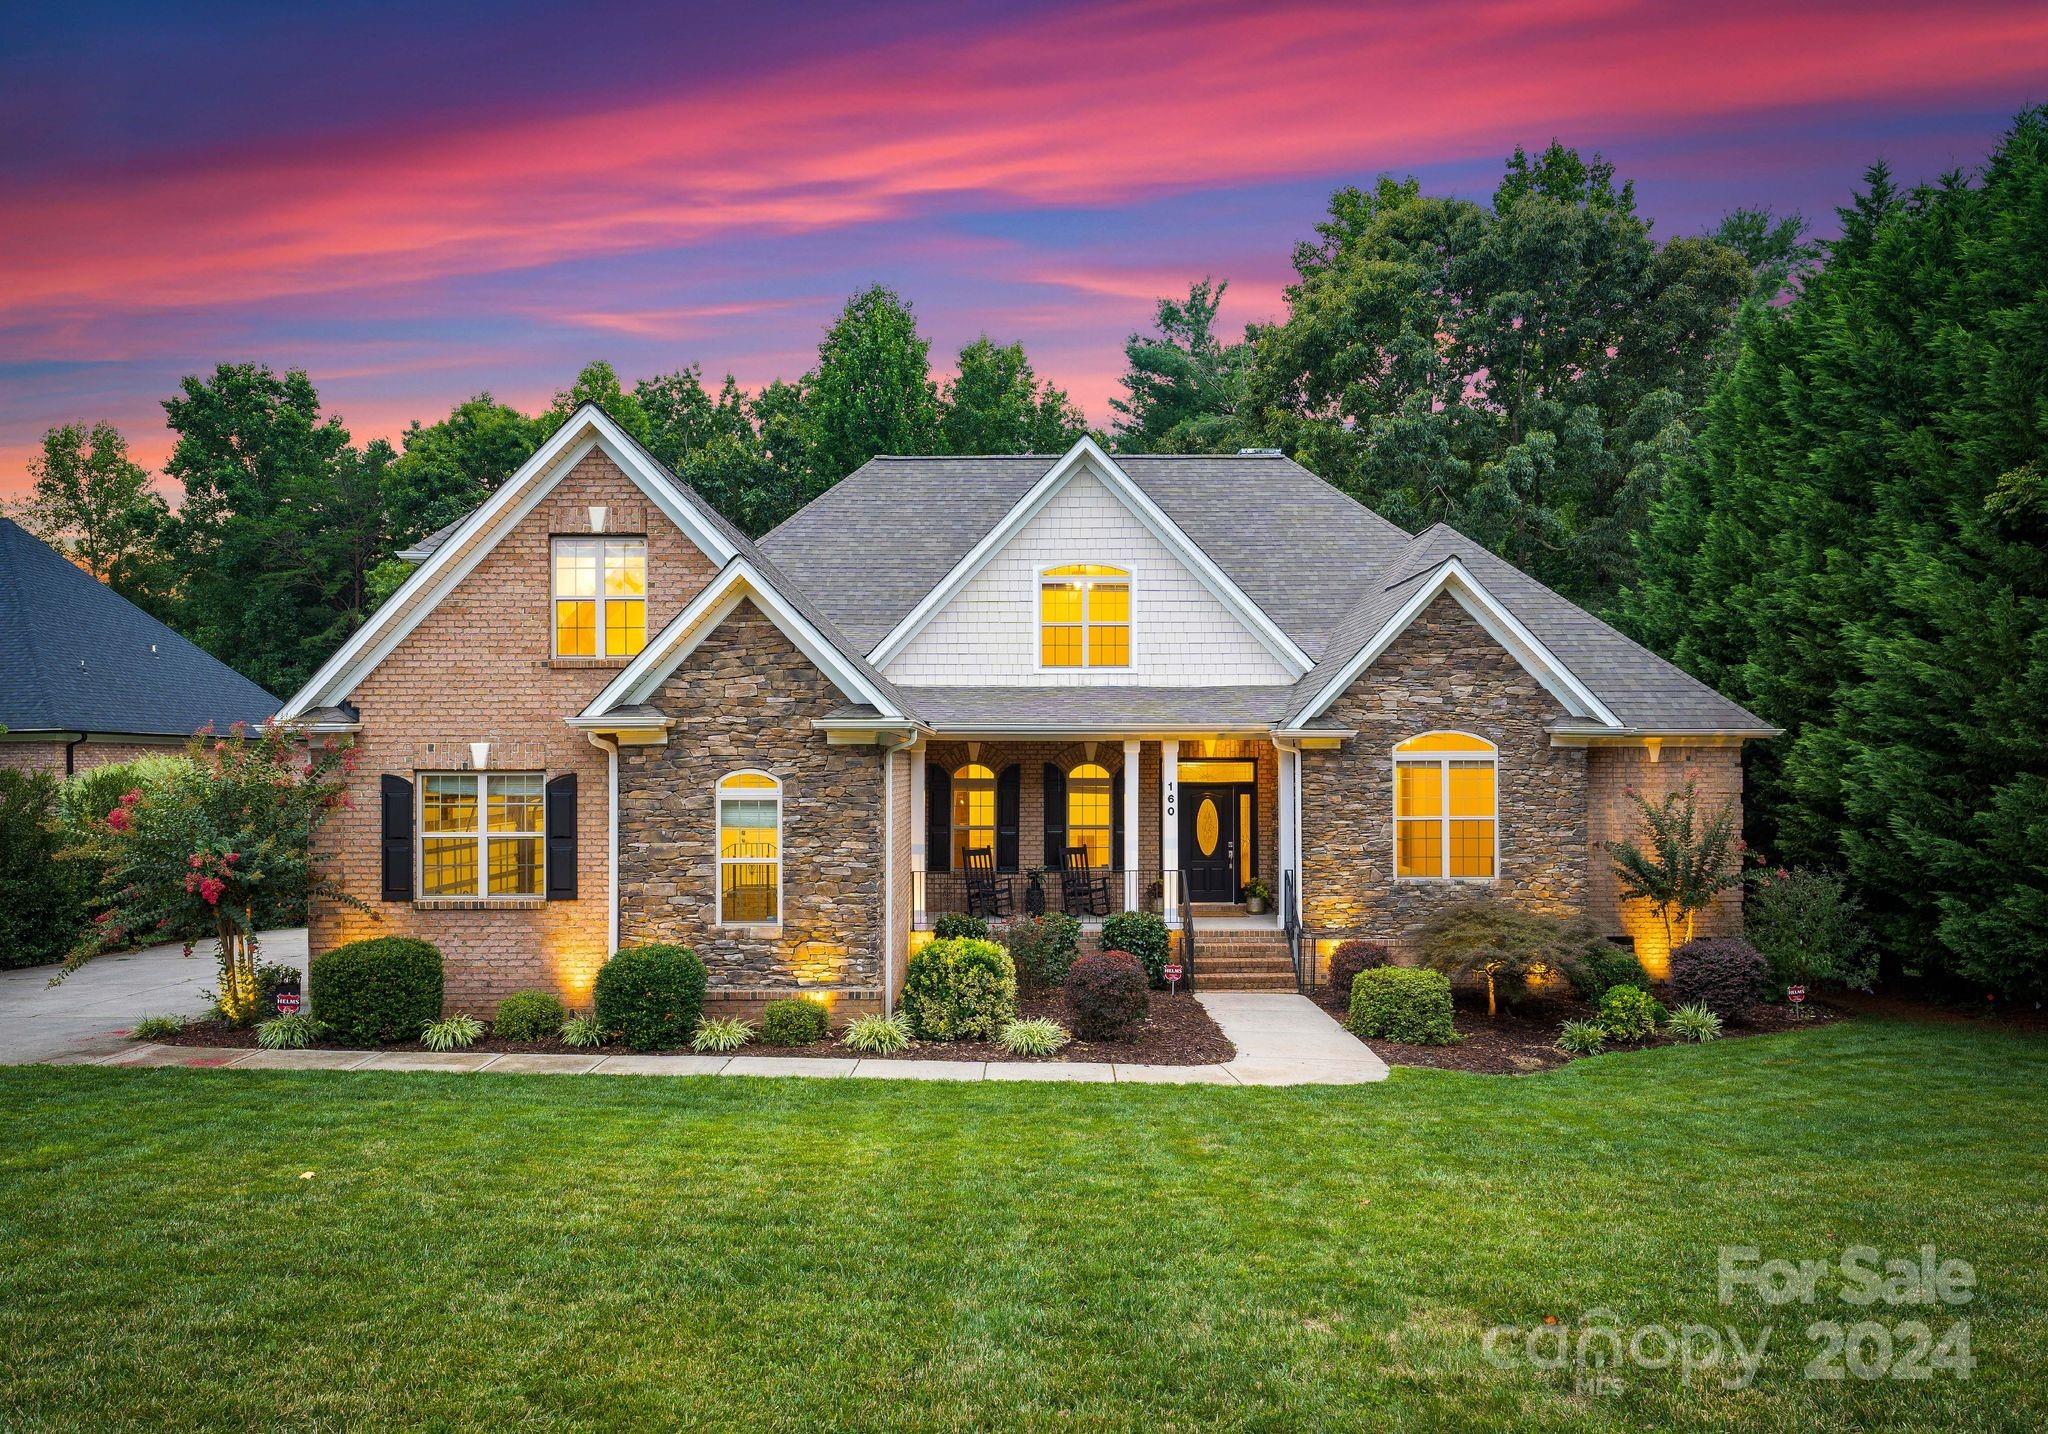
(1241, 960)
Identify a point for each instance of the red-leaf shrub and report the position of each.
(1354, 956)
(1106, 995)
(1725, 974)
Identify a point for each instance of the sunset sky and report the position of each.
(417, 209)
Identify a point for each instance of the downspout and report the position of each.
(888, 878)
(611, 877)
(71, 754)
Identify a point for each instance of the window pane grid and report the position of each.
(974, 813)
(1088, 813)
(1084, 617)
(600, 596)
(749, 849)
(1444, 808)
(482, 834)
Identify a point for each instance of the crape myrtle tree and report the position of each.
(196, 854)
(1859, 553)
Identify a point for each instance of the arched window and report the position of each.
(1084, 616)
(1445, 823)
(749, 850)
(1088, 813)
(974, 812)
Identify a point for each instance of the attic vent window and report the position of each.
(1084, 616)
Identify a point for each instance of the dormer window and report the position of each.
(1084, 616)
(600, 596)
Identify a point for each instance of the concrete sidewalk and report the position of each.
(1280, 1040)
(89, 1013)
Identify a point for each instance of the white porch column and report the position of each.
(917, 839)
(1290, 834)
(1169, 828)
(1129, 855)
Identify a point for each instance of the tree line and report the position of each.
(1809, 473)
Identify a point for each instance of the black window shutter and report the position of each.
(938, 819)
(1116, 821)
(1009, 798)
(397, 794)
(1055, 815)
(561, 821)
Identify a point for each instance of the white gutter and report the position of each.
(611, 881)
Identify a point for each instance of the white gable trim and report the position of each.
(1088, 455)
(588, 429)
(1504, 627)
(739, 581)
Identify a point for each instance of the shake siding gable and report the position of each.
(1181, 635)
(478, 669)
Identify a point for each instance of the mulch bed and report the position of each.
(1524, 1041)
(1176, 1032)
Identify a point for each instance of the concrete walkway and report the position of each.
(90, 1012)
(1280, 1040)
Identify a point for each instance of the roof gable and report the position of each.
(455, 553)
(1087, 457)
(82, 658)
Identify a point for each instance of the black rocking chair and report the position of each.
(1082, 892)
(985, 895)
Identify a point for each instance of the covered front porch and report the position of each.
(1013, 825)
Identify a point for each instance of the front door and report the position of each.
(1208, 841)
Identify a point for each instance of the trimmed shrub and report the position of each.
(382, 989)
(959, 989)
(1629, 1013)
(1143, 934)
(1809, 928)
(529, 1016)
(957, 926)
(651, 996)
(1106, 995)
(1043, 948)
(42, 899)
(1351, 957)
(1399, 1003)
(1503, 946)
(1605, 967)
(793, 1021)
(1725, 974)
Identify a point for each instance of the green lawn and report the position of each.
(480, 1250)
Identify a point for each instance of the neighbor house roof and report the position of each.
(79, 657)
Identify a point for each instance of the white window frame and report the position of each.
(958, 850)
(603, 631)
(1442, 762)
(722, 861)
(1108, 828)
(1050, 573)
(483, 839)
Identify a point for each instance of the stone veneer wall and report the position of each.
(478, 669)
(1611, 774)
(1444, 672)
(746, 699)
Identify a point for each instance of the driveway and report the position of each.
(91, 1011)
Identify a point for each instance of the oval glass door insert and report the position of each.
(1207, 826)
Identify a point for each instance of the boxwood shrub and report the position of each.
(1397, 1003)
(1143, 934)
(1106, 995)
(1725, 974)
(651, 995)
(384, 989)
(793, 1021)
(529, 1016)
(958, 989)
(1604, 967)
(955, 924)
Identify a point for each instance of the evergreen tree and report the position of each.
(995, 404)
(1858, 554)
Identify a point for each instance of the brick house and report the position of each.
(596, 714)
(87, 678)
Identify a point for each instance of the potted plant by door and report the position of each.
(1257, 896)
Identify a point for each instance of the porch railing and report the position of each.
(1290, 920)
(1022, 893)
(1187, 932)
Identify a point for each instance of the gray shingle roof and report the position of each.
(876, 542)
(75, 656)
